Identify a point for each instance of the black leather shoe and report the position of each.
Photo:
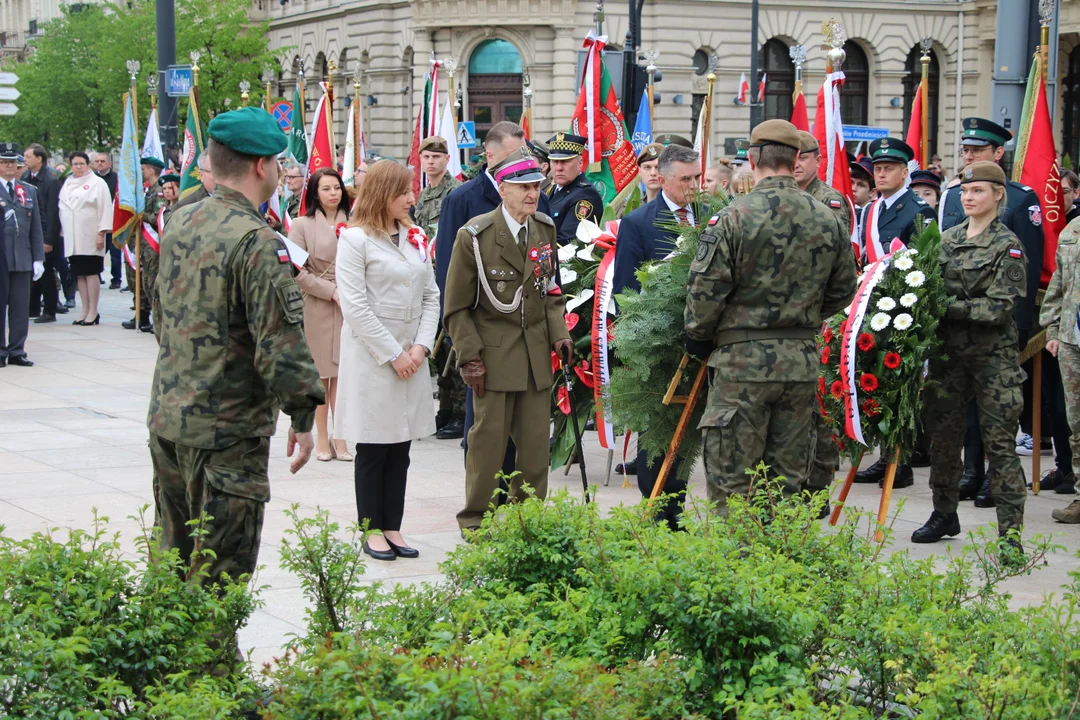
(69, 303)
(20, 360)
(920, 459)
(628, 468)
(379, 554)
(41, 319)
(61, 310)
(403, 551)
(3, 361)
(146, 328)
(33, 314)
(441, 418)
(938, 526)
(904, 478)
(970, 483)
(873, 474)
(114, 285)
(825, 511)
(128, 324)
(452, 430)
(985, 498)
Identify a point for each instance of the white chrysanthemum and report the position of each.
(887, 304)
(585, 253)
(909, 299)
(915, 279)
(880, 321)
(904, 263)
(912, 251)
(567, 252)
(902, 321)
(567, 275)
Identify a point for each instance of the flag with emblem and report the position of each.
(1035, 164)
(152, 138)
(609, 154)
(194, 144)
(829, 131)
(321, 151)
(129, 201)
(298, 144)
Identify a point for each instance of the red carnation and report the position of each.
(868, 382)
(827, 335)
(571, 321)
(837, 389)
(821, 386)
(825, 353)
(564, 400)
(865, 342)
(892, 360)
(870, 407)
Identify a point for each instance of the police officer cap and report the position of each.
(807, 142)
(980, 132)
(169, 177)
(563, 146)
(983, 171)
(539, 149)
(775, 132)
(891, 150)
(434, 144)
(925, 177)
(649, 152)
(671, 139)
(10, 151)
(152, 162)
(249, 131)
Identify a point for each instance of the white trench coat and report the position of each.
(390, 302)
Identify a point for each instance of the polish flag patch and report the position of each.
(1015, 253)
(713, 220)
(835, 204)
(283, 255)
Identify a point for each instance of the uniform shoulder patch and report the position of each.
(1035, 215)
(542, 217)
(835, 204)
(583, 209)
(479, 224)
(1016, 253)
(1014, 270)
(713, 220)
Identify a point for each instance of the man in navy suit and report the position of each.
(477, 197)
(645, 235)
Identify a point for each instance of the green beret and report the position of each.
(153, 162)
(249, 131)
(775, 132)
(891, 150)
(983, 171)
(981, 132)
(169, 177)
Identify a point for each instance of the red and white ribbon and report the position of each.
(605, 276)
(418, 240)
(594, 44)
(871, 235)
(150, 234)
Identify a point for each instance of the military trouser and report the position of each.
(994, 380)
(750, 422)
(1069, 362)
(148, 262)
(230, 486)
(826, 456)
(499, 416)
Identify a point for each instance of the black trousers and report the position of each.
(44, 292)
(646, 477)
(380, 472)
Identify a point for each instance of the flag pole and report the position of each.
(356, 116)
(268, 76)
(924, 88)
(798, 57)
(195, 55)
(133, 69)
(653, 56)
(330, 67)
(526, 95)
(245, 93)
(706, 132)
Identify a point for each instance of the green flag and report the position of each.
(194, 143)
(297, 133)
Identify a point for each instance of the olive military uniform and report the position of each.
(505, 308)
(227, 315)
(769, 268)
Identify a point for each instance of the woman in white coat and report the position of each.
(390, 303)
(86, 215)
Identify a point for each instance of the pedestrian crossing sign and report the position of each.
(466, 134)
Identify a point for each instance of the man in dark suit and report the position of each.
(44, 295)
(646, 234)
(103, 168)
(573, 198)
(477, 197)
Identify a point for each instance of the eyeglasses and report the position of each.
(294, 177)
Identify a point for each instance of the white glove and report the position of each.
(39, 270)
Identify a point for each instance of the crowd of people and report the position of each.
(463, 278)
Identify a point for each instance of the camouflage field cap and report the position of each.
(249, 131)
(983, 171)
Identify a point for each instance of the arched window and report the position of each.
(495, 57)
(494, 85)
(779, 76)
(854, 95)
(1071, 130)
(911, 84)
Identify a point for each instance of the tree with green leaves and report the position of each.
(75, 74)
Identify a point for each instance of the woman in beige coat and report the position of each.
(391, 306)
(86, 215)
(316, 231)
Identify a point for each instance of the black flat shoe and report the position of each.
(403, 551)
(379, 554)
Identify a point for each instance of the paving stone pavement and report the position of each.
(73, 440)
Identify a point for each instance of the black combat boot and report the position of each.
(974, 472)
(985, 499)
(873, 474)
(904, 478)
(938, 526)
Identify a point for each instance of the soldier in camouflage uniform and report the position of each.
(1061, 317)
(148, 257)
(434, 157)
(770, 267)
(227, 314)
(985, 272)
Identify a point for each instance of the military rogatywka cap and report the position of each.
(980, 132)
(807, 142)
(776, 132)
(434, 144)
(672, 139)
(249, 131)
(10, 151)
(925, 177)
(152, 162)
(891, 150)
(563, 146)
(519, 168)
(649, 152)
(983, 171)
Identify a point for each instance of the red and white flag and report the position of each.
(829, 131)
(761, 88)
(744, 89)
(321, 147)
(914, 133)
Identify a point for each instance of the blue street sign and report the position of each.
(282, 112)
(864, 133)
(178, 80)
(466, 134)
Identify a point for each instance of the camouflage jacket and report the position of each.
(984, 276)
(769, 268)
(194, 196)
(1061, 307)
(292, 205)
(833, 200)
(429, 204)
(152, 201)
(227, 315)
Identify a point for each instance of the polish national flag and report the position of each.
(744, 89)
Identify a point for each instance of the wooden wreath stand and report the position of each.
(689, 402)
(886, 494)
